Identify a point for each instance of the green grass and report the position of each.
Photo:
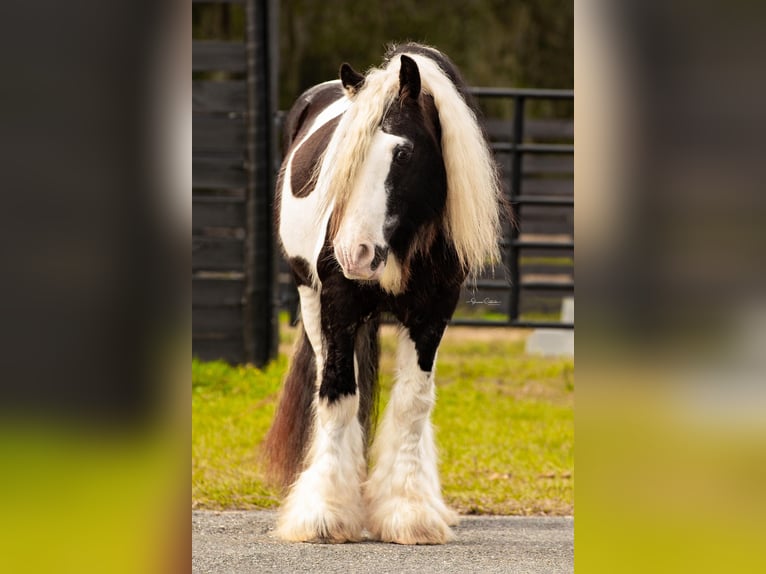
(505, 429)
(231, 411)
(504, 425)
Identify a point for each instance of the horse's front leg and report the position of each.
(325, 502)
(403, 493)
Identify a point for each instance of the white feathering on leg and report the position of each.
(325, 503)
(403, 493)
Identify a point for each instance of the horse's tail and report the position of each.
(367, 353)
(286, 443)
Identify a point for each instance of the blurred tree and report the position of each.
(520, 43)
(525, 43)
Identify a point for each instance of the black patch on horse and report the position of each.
(311, 103)
(416, 197)
(306, 158)
(301, 271)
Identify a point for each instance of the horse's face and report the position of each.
(401, 188)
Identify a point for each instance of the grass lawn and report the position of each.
(504, 425)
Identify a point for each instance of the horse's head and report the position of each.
(400, 190)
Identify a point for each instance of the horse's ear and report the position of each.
(351, 79)
(409, 78)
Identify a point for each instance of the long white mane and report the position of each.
(472, 219)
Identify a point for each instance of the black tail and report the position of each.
(285, 444)
(367, 354)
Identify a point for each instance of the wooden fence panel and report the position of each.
(218, 56)
(218, 172)
(217, 212)
(219, 96)
(216, 322)
(217, 292)
(213, 253)
(218, 133)
(231, 169)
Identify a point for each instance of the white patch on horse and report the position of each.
(403, 493)
(310, 316)
(325, 503)
(331, 112)
(362, 227)
(299, 228)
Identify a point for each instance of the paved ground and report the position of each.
(242, 542)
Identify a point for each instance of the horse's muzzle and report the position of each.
(363, 261)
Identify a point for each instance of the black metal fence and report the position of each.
(511, 146)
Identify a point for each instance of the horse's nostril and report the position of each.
(363, 254)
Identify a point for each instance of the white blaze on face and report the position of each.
(365, 213)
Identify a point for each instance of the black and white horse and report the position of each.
(388, 199)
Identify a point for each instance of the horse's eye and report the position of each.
(402, 155)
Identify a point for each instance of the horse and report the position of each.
(388, 198)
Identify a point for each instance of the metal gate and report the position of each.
(531, 180)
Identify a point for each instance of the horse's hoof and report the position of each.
(403, 522)
(302, 520)
(326, 529)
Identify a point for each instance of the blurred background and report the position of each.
(671, 341)
(494, 42)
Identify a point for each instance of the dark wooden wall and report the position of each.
(233, 315)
